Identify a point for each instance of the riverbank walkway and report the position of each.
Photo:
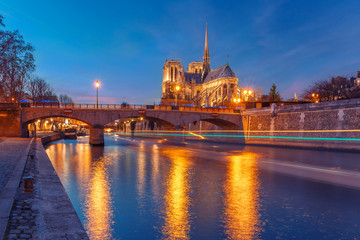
(13, 156)
(44, 213)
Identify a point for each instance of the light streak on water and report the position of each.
(203, 136)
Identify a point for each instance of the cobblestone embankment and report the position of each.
(13, 155)
(46, 212)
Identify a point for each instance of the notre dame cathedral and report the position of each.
(199, 85)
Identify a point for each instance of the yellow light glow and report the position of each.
(249, 92)
(97, 84)
(177, 88)
(141, 118)
(177, 203)
(241, 197)
(234, 99)
(245, 92)
(98, 210)
(197, 135)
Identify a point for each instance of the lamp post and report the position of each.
(236, 101)
(97, 84)
(247, 93)
(315, 97)
(177, 89)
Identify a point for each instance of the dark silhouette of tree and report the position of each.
(274, 94)
(333, 89)
(16, 63)
(124, 105)
(65, 99)
(39, 90)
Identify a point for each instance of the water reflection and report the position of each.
(177, 223)
(98, 212)
(155, 172)
(141, 174)
(90, 166)
(241, 214)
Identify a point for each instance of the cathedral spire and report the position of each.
(206, 57)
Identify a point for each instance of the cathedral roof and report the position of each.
(220, 72)
(190, 76)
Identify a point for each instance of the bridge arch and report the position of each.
(163, 122)
(223, 124)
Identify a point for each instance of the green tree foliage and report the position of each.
(274, 95)
(16, 63)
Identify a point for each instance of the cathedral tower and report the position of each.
(206, 57)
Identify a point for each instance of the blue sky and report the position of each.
(124, 44)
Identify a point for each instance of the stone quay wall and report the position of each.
(334, 125)
(10, 120)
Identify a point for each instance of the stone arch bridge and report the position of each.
(97, 118)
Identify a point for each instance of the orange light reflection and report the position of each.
(177, 225)
(241, 200)
(98, 203)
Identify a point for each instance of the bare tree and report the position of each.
(333, 89)
(39, 89)
(63, 98)
(16, 63)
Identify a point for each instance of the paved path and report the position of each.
(13, 155)
(44, 213)
(11, 149)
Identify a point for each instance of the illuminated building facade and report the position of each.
(199, 85)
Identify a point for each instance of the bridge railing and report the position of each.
(134, 106)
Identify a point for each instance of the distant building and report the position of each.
(357, 80)
(199, 85)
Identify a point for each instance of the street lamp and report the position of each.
(97, 84)
(177, 88)
(247, 93)
(315, 97)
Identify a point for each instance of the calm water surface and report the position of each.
(147, 189)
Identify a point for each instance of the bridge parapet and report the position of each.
(98, 118)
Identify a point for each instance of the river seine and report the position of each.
(153, 189)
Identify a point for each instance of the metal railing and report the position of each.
(180, 107)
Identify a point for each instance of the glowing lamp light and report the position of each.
(177, 88)
(249, 92)
(97, 84)
(245, 92)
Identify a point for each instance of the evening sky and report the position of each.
(124, 44)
